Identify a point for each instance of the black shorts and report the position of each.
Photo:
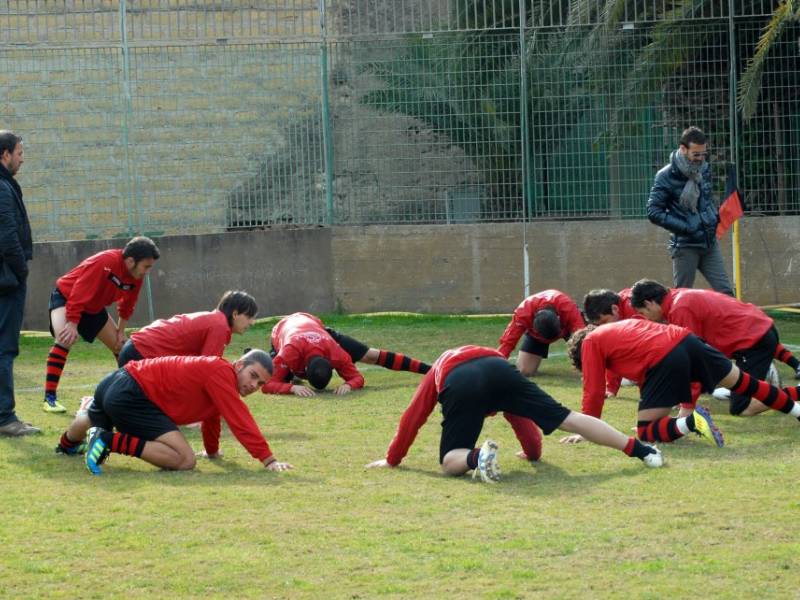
(90, 324)
(120, 403)
(128, 353)
(534, 346)
(353, 347)
(485, 385)
(669, 382)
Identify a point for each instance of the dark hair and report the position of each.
(255, 355)
(575, 344)
(139, 248)
(693, 135)
(319, 372)
(647, 289)
(237, 301)
(547, 324)
(8, 141)
(597, 303)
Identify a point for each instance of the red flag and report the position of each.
(732, 206)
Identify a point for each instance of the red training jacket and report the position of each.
(296, 339)
(721, 321)
(522, 320)
(626, 311)
(193, 334)
(427, 395)
(97, 282)
(200, 388)
(628, 348)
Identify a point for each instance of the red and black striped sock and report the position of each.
(637, 449)
(400, 362)
(67, 443)
(472, 458)
(785, 356)
(775, 398)
(56, 360)
(123, 443)
(664, 429)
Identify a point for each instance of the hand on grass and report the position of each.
(204, 454)
(572, 439)
(278, 466)
(301, 390)
(343, 389)
(377, 464)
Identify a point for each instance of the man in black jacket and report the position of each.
(16, 249)
(680, 202)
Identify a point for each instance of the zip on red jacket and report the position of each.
(200, 388)
(720, 320)
(296, 339)
(193, 334)
(427, 395)
(628, 348)
(522, 320)
(98, 281)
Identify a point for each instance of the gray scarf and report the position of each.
(691, 191)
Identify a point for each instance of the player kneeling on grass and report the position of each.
(665, 359)
(472, 382)
(303, 347)
(146, 400)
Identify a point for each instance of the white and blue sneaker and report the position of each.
(488, 469)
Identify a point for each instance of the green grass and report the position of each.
(585, 522)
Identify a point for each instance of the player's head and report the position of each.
(601, 306)
(140, 254)
(546, 323)
(694, 145)
(253, 370)
(575, 344)
(239, 308)
(319, 372)
(646, 297)
(11, 153)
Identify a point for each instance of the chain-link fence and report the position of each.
(189, 116)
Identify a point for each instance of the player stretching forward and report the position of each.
(194, 334)
(303, 347)
(77, 305)
(146, 400)
(664, 359)
(543, 318)
(739, 330)
(472, 382)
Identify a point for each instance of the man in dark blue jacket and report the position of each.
(680, 202)
(16, 249)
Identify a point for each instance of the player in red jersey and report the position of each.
(303, 347)
(78, 305)
(471, 383)
(665, 360)
(204, 333)
(604, 306)
(543, 318)
(146, 400)
(739, 330)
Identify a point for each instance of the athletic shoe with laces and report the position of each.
(704, 427)
(17, 428)
(797, 373)
(51, 404)
(721, 393)
(655, 459)
(488, 470)
(74, 451)
(773, 376)
(96, 452)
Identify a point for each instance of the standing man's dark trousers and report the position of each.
(11, 308)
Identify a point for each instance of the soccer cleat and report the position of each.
(704, 427)
(655, 459)
(773, 377)
(721, 393)
(51, 405)
(96, 453)
(74, 451)
(488, 469)
(797, 373)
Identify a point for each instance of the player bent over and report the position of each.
(739, 330)
(303, 347)
(146, 400)
(204, 333)
(543, 318)
(472, 382)
(77, 305)
(665, 360)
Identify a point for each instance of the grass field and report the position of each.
(585, 522)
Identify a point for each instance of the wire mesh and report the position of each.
(209, 115)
